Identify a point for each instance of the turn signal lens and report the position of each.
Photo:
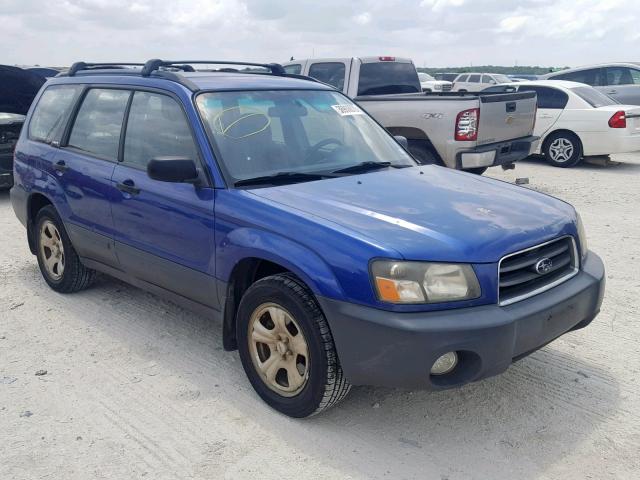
(619, 120)
(399, 291)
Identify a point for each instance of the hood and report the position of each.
(433, 213)
(18, 88)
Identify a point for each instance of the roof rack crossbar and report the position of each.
(155, 64)
(76, 67)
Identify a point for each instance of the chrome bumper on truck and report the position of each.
(394, 349)
(494, 154)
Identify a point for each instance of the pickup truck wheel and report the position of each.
(57, 259)
(562, 149)
(477, 170)
(287, 349)
(422, 154)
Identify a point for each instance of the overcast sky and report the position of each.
(431, 32)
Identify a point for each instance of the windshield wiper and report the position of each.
(363, 167)
(281, 178)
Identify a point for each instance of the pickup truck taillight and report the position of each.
(619, 120)
(467, 125)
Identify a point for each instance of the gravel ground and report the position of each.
(136, 387)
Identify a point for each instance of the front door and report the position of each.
(164, 232)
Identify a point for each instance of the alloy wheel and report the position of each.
(52, 250)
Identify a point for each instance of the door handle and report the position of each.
(60, 166)
(612, 92)
(128, 186)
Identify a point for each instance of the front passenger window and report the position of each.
(156, 127)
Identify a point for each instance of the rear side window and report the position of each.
(474, 79)
(383, 78)
(463, 78)
(622, 76)
(593, 97)
(50, 115)
(97, 127)
(294, 69)
(156, 127)
(590, 77)
(548, 97)
(331, 72)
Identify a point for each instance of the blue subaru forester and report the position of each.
(275, 204)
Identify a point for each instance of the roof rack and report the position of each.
(76, 67)
(169, 69)
(185, 65)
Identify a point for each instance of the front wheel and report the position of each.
(287, 349)
(562, 150)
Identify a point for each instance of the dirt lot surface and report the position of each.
(136, 387)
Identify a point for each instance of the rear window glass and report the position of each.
(52, 111)
(383, 78)
(551, 98)
(330, 72)
(97, 127)
(593, 97)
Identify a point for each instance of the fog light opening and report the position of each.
(445, 364)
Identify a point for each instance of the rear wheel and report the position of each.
(58, 261)
(562, 149)
(422, 154)
(287, 349)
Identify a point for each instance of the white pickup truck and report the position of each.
(466, 131)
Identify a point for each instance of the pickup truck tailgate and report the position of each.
(506, 116)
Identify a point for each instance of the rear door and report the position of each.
(506, 117)
(163, 231)
(334, 73)
(623, 85)
(83, 167)
(551, 103)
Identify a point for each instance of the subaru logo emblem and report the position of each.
(544, 266)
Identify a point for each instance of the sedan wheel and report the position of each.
(562, 149)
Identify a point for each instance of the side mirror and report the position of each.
(402, 141)
(173, 170)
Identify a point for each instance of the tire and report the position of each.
(477, 170)
(283, 299)
(58, 261)
(422, 154)
(562, 149)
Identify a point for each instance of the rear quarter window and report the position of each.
(330, 72)
(52, 112)
(294, 69)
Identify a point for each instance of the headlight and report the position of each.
(582, 237)
(423, 282)
(437, 87)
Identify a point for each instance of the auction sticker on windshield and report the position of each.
(345, 110)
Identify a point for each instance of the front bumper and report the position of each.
(393, 349)
(495, 154)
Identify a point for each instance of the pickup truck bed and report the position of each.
(428, 121)
(456, 129)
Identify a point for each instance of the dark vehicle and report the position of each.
(275, 205)
(45, 72)
(18, 88)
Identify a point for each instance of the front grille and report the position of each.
(446, 88)
(536, 269)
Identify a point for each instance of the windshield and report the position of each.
(425, 77)
(501, 78)
(593, 97)
(265, 133)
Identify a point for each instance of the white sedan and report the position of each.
(575, 120)
(430, 84)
